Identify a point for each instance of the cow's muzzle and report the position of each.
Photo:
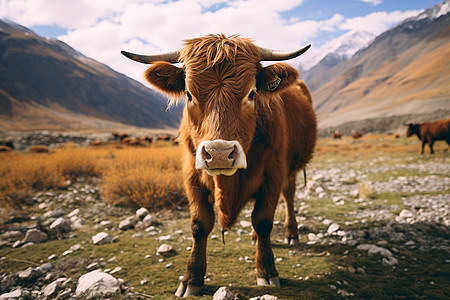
(220, 157)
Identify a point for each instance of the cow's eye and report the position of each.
(252, 95)
(189, 96)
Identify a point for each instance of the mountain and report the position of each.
(45, 84)
(404, 70)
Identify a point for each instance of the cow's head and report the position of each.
(224, 85)
(412, 129)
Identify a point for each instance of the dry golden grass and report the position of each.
(138, 176)
(148, 177)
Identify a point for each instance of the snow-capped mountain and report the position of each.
(340, 49)
(432, 12)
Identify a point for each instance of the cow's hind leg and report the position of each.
(262, 221)
(202, 222)
(290, 225)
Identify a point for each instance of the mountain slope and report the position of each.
(405, 70)
(45, 84)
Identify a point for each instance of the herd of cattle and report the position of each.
(117, 139)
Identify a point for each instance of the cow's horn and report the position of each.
(171, 57)
(275, 55)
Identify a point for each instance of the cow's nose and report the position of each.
(220, 155)
(217, 157)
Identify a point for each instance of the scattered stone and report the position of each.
(28, 275)
(61, 225)
(53, 214)
(93, 266)
(74, 212)
(333, 228)
(389, 261)
(106, 224)
(223, 293)
(137, 235)
(97, 284)
(115, 270)
(16, 294)
(76, 247)
(265, 297)
(51, 290)
(373, 250)
(128, 223)
(101, 238)
(52, 257)
(141, 213)
(406, 214)
(164, 249)
(245, 224)
(34, 236)
(12, 236)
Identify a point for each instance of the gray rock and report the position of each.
(61, 225)
(74, 212)
(101, 238)
(265, 297)
(53, 288)
(164, 249)
(17, 294)
(389, 261)
(44, 268)
(97, 284)
(34, 236)
(333, 228)
(12, 235)
(223, 293)
(406, 214)
(53, 213)
(373, 250)
(141, 213)
(28, 274)
(128, 223)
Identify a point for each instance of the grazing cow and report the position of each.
(39, 149)
(7, 143)
(246, 131)
(356, 135)
(120, 136)
(336, 135)
(430, 132)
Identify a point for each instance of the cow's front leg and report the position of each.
(290, 224)
(262, 220)
(202, 222)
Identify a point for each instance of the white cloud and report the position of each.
(377, 22)
(102, 28)
(372, 2)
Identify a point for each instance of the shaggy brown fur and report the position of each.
(230, 96)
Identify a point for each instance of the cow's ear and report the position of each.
(275, 78)
(166, 78)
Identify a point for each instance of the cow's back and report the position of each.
(301, 125)
(439, 130)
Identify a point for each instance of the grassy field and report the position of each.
(328, 269)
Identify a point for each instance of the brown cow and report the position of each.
(356, 135)
(246, 131)
(430, 132)
(337, 135)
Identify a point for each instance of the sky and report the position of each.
(100, 29)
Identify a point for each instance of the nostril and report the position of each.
(205, 154)
(233, 153)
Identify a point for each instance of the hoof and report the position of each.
(184, 290)
(291, 241)
(275, 281)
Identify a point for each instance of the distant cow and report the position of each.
(246, 131)
(356, 135)
(39, 149)
(430, 132)
(7, 143)
(337, 135)
(120, 136)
